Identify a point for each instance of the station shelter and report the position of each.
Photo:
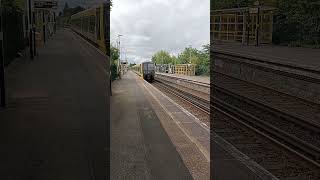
(242, 25)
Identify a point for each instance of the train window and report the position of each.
(145, 66)
(150, 67)
(92, 24)
(98, 23)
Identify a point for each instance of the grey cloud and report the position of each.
(152, 25)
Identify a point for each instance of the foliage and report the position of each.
(162, 57)
(297, 23)
(114, 53)
(133, 64)
(11, 5)
(70, 11)
(188, 55)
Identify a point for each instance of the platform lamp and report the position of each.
(2, 83)
(119, 63)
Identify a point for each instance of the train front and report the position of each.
(148, 71)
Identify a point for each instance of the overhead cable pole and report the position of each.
(190, 53)
(119, 62)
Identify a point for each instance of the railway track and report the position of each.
(284, 142)
(261, 148)
(201, 104)
(286, 133)
(190, 81)
(269, 73)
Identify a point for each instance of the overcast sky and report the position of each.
(148, 26)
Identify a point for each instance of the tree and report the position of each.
(198, 57)
(189, 55)
(114, 53)
(133, 64)
(297, 23)
(206, 48)
(162, 57)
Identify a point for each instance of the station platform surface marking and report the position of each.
(55, 124)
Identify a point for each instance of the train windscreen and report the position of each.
(150, 67)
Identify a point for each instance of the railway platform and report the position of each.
(229, 163)
(152, 137)
(54, 126)
(307, 58)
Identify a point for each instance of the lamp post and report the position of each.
(119, 35)
(190, 53)
(119, 63)
(2, 83)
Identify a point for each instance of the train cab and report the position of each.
(148, 71)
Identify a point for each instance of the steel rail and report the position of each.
(263, 60)
(282, 138)
(299, 121)
(188, 80)
(201, 104)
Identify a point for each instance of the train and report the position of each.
(146, 70)
(93, 24)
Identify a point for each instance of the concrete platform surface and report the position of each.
(147, 142)
(54, 127)
(295, 56)
(230, 164)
